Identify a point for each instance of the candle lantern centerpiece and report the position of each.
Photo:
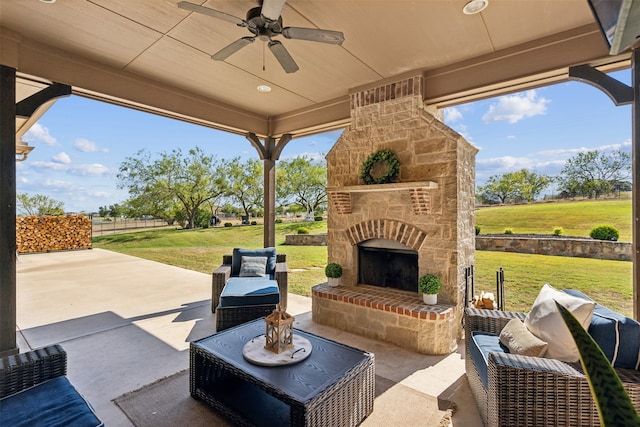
(279, 333)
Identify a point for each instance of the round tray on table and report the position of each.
(254, 352)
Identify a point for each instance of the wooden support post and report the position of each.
(7, 211)
(269, 152)
(635, 158)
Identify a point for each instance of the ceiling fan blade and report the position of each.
(314, 35)
(272, 9)
(229, 50)
(212, 12)
(283, 57)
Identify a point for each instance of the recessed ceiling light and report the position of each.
(475, 6)
(48, 1)
(264, 88)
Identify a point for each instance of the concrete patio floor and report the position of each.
(126, 322)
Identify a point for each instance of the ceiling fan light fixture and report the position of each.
(264, 88)
(475, 6)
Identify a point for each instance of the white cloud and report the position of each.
(452, 115)
(39, 133)
(87, 146)
(514, 108)
(49, 166)
(313, 157)
(62, 158)
(570, 152)
(95, 169)
(59, 185)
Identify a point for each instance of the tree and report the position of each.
(302, 182)
(593, 173)
(38, 205)
(498, 189)
(158, 185)
(530, 185)
(245, 183)
(522, 185)
(103, 211)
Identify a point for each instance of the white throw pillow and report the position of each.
(545, 322)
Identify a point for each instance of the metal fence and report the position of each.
(122, 225)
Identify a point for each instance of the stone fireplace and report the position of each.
(387, 235)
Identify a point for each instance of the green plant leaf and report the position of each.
(613, 402)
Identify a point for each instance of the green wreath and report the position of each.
(381, 167)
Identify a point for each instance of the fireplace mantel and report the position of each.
(420, 192)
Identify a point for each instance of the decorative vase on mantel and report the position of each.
(333, 271)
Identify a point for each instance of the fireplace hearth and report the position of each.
(387, 264)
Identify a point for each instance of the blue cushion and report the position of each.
(238, 253)
(49, 404)
(249, 291)
(480, 346)
(618, 336)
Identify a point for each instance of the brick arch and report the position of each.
(391, 229)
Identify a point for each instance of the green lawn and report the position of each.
(202, 249)
(576, 218)
(607, 281)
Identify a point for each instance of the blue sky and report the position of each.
(80, 143)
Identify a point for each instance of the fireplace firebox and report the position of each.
(387, 264)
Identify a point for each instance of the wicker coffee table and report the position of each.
(334, 386)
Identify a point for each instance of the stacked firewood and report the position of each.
(52, 233)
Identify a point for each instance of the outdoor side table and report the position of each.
(334, 386)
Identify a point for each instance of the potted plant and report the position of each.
(333, 271)
(429, 285)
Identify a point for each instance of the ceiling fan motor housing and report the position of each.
(261, 26)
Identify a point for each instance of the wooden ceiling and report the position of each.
(152, 55)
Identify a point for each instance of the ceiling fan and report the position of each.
(265, 22)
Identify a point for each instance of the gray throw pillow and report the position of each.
(253, 266)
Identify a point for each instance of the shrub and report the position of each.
(303, 230)
(508, 231)
(557, 231)
(278, 220)
(429, 284)
(333, 270)
(318, 218)
(228, 224)
(477, 230)
(254, 222)
(604, 232)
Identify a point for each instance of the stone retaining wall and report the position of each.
(306, 239)
(558, 246)
(571, 247)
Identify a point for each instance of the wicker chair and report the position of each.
(532, 391)
(34, 390)
(226, 316)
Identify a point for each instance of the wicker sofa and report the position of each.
(237, 300)
(34, 391)
(530, 391)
